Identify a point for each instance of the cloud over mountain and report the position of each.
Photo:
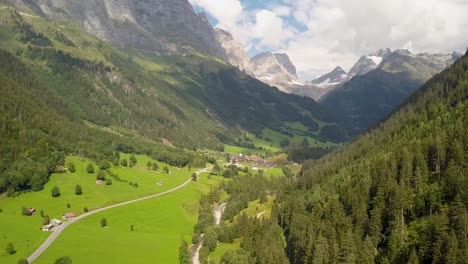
(319, 34)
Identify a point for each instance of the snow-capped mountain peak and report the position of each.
(332, 78)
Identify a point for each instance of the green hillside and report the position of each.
(398, 194)
(364, 100)
(67, 92)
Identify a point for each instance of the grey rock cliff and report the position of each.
(235, 51)
(165, 26)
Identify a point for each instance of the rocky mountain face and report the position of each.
(368, 63)
(235, 51)
(336, 76)
(274, 69)
(164, 26)
(379, 83)
(421, 66)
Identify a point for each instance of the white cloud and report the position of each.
(263, 27)
(271, 30)
(337, 32)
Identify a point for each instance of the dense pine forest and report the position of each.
(397, 194)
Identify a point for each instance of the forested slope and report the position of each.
(193, 100)
(37, 130)
(66, 92)
(397, 194)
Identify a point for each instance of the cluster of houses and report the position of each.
(256, 160)
(55, 222)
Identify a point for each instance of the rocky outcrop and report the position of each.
(368, 63)
(235, 51)
(165, 26)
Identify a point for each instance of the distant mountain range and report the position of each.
(378, 83)
(278, 70)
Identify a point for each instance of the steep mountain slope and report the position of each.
(38, 128)
(336, 76)
(368, 63)
(191, 100)
(398, 194)
(367, 98)
(274, 69)
(166, 26)
(235, 51)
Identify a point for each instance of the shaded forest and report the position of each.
(397, 194)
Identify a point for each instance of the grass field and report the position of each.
(221, 249)
(23, 231)
(159, 224)
(255, 208)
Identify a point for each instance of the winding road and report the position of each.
(57, 231)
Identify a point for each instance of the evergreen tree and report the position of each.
(71, 167)
(55, 192)
(184, 254)
(78, 190)
(10, 249)
(90, 168)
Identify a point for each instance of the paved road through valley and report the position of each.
(58, 230)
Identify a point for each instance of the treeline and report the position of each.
(398, 194)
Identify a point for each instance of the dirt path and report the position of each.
(62, 227)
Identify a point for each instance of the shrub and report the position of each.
(90, 168)
(46, 220)
(166, 169)
(55, 192)
(108, 182)
(103, 222)
(71, 167)
(104, 164)
(78, 190)
(133, 160)
(63, 260)
(10, 249)
(155, 166)
(124, 162)
(86, 209)
(101, 175)
(22, 261)
(25, 211)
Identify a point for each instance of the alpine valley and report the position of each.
(144, 131)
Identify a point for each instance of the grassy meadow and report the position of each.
(24, 231)
(159, 224)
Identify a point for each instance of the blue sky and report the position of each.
(319, 35)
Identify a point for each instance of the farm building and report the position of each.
(55, 222)
(68, 216)
(47, 227)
